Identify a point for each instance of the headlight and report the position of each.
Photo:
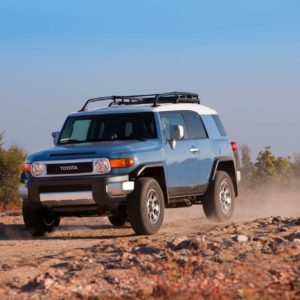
(102, 165)
(37, 169)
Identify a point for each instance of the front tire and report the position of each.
(146, 206)
(219, 201)
(38, 220)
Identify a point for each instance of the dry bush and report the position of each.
(10, 170)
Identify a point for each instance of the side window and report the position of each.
(173, 118)
(128, 129)
(219, 125)
(195, 125)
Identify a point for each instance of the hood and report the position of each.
(110, 149)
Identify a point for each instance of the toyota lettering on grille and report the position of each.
(68, 168)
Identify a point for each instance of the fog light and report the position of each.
(102, 165)
(37, 169)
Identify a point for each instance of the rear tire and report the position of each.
(146, 206)
(118, 220)
(219, 201)
(38, 220)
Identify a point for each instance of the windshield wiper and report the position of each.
(70, 141)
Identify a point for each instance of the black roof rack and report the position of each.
(155, 99)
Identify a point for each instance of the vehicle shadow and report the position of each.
(15, 232)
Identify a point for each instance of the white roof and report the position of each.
(199, 108)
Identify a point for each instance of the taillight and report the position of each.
(234, 146)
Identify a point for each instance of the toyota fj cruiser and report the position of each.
(131, 160)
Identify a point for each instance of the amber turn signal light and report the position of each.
(26, 168)
(121, 163)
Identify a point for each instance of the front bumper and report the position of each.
(106, 192)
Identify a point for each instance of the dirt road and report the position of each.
(188, 258)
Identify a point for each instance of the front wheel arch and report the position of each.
(155, 171)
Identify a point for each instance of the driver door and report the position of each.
(182, 173)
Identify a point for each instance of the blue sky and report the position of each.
(242, 57)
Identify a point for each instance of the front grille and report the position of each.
(65, 188)
(69, 168)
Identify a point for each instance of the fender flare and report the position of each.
(216, 164)
(139, 170)
(148, 166)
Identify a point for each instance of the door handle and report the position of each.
(194, 150)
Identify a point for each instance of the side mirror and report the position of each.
(55, 136)
(176, 133)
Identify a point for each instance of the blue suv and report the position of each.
(131, 160)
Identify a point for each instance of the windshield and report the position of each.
(112, 127)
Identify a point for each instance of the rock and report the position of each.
(226, 256)
(241, 238)
(227, 243)
(213, 246)
(291, 237)
(183, 245)
(182, 262)
(148, 250)
(217, 259)
(64, 265)
(278, 240)
(112, 280)
(257, 245)
(148, 267)
(5, 267)
(255, 259)
(176, 241)
(48, 283)
(115, 276)
(88, 288)
(208, 253)
(276, 220)
(282, 229)
(266, 250)
(193, 244)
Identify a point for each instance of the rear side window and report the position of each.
(219, 125)
(195, 125)
(173, 118)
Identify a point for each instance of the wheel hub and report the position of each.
(225, 197)
(48, 219)
(153, 207)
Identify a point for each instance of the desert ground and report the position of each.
(254, 256)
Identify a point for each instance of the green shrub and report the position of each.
(10, 169)
(268, 168)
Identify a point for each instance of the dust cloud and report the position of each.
(251, 204)
(268, 201)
